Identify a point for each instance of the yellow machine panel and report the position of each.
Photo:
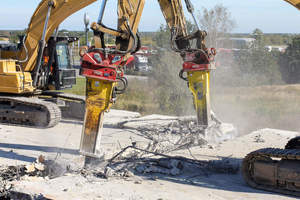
(12, 80)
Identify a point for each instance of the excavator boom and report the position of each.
(295, 3)
(61, 9)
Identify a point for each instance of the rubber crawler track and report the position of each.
(267, 153)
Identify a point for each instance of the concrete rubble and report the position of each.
(216, 132)
(170, 158)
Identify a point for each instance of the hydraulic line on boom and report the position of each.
(103, 67)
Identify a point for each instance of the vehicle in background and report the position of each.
(235, 44)
(139, 62)
(230, 48)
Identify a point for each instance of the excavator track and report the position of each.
(28, 111)
(274, 170)
(73, 105)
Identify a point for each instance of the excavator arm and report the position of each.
(103, 66)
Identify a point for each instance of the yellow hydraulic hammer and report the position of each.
(198, 82)
(103, 68)
(98, 100)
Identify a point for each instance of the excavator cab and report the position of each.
(62, 74)
(56, 72)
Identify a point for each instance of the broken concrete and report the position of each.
(215, 133)
(214, 180)
(149, 120)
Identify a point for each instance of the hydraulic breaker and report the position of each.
(197, 66)
(98, 100)
(103, 74)
(198, 82)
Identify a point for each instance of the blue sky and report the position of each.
(268, 15)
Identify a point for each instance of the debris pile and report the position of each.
(166, 137)
(40, 168)
(185, 132)
(140, 161)
(46, 168)
(179, 134)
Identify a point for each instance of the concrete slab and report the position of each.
(148, 120)
(114, 117)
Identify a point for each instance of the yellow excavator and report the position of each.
(40, 65)
(24, 81)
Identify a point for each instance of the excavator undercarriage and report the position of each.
(43, 110)
(274, 170)
(28, 111)
(22, 104)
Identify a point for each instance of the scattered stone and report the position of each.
(8, 186)
(41, 159)
(39, 166)
(174, 167)
(30, 168)
(127, 173)
(259, 139)
(138, 182)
